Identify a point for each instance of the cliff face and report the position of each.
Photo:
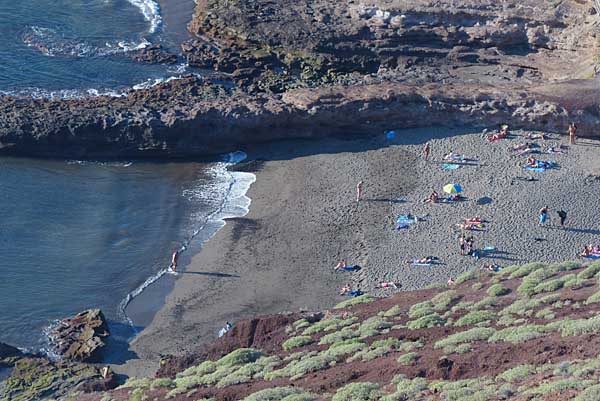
(311, 68)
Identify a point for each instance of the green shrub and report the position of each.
(560, 386)
(549, 286)
(358, 392)
(393, 311)
(444, 299)
(521, 307)
(295, 342)
(466, 276)
(519, 334)
(427, 321)
(517, 373)
(136, 382)
(362, 299)
(525, 270)
(406, 389)
(334, 323)
(486, 303)
(574, 282)
(300, 397)
(545, 313)
(301, 324)
(590, 271)
(475, 317)
(497, 290)
(474, 334)
(476, 286)
(595, 297)
(345, 347)
(589, 394)
(421, 309)
(296, 369)
(409, 346)
(373, 326)
(199, 370)
(578, 327)
(347, 333)
(566, 266)
(407, 359)
(273, 394)
(239, 357)
(161, 383)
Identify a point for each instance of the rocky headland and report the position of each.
(301, 69)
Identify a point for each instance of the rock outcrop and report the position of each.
(80, 338)
(8, 351)
(309, 68)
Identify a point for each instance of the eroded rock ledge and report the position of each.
(311, 68)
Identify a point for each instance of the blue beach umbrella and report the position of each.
(452, 189)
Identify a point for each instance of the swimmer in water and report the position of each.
(173, 265)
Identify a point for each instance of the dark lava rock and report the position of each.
(7, 351)
(80, 338)
(154, 54)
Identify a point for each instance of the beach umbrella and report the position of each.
(452, 189)
(390, 135)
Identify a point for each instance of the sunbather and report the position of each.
(451, 281)
(532, 162)
(340, 265)
(453, 157)
(471, 226)
(345, 289)
(536, 136)
(388, 284)
(521, 146)
(423, 261)
(475, 220)
(587, 251)
(433, 198)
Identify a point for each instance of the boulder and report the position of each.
(7, 351)
(81, 337)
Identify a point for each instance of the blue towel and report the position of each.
(593, 257)
(447, 166)
(489, 248)
(352, 268)
(355, 293)
(538, 169)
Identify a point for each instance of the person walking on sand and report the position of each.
(572, 131)
(562, 215)
(462, 244)
(359, 189)
(543, 215)
(426, 151)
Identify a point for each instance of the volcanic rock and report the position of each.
(80, 338)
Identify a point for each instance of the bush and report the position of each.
(407, 359)
(497, 290)
(549, 286)
(301, 324)
(595, 297)
(561, 386)
(589, 394)
(486, 303)
(406, 389)
(475, 334)
(466, 276)
(362, 299)
(393, 311)
(300, 397)
(527, 269)
(199, 370)
(240, 356)
(421, 309)
(521, 307)
(161, 383)
(296, 342)
(476, 286)
(358, 392)
(425, 322)
(344, 348)
(296, 369)
(590, 271)
(517, 373)
(519, 334)
(444, 299)
(344, 334)
(566, 266)
(373, 326)
(335, 323)
(273, 394)
(578, 327)
(475, 317)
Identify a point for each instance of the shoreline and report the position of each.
(279, 257)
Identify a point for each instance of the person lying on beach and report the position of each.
(492, 267)
(475, 220)
(471, 226)
(453, 198)
(536, 136)
(554, 150)
(525, 151)
(451, 281)
(340, 265)
(587, 251)
(522, 146)
(345, 289)
(453, 157)
(423, 261)
(433, 198)
(388, 284)
(531, 162)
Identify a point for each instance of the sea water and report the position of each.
(78, 235)
(72, 48)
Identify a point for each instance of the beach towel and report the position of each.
(355, 293)
(536, 169)
(489, 248)
(415, 263)
(354, 268)
(447, 166)
(593, 256)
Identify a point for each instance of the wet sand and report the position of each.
(304, 219)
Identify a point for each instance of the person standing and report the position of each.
(359, 189)
(426, 151)
(562, 215)
(543, 215)
(572, 131)
(174, 259)
(462, 244)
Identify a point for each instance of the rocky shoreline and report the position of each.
(312, 69)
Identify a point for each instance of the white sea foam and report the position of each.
(151, 11)
(235, 204)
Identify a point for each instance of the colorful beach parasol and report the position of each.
(452, 189)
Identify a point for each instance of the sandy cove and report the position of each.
(304, 218)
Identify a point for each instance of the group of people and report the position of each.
(590, 251)
(544, 216)
(467, 245)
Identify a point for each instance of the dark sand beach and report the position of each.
(304, 218)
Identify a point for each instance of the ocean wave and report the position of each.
(151, 11)
(51, 43)
(235, 203)
(66, 94)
